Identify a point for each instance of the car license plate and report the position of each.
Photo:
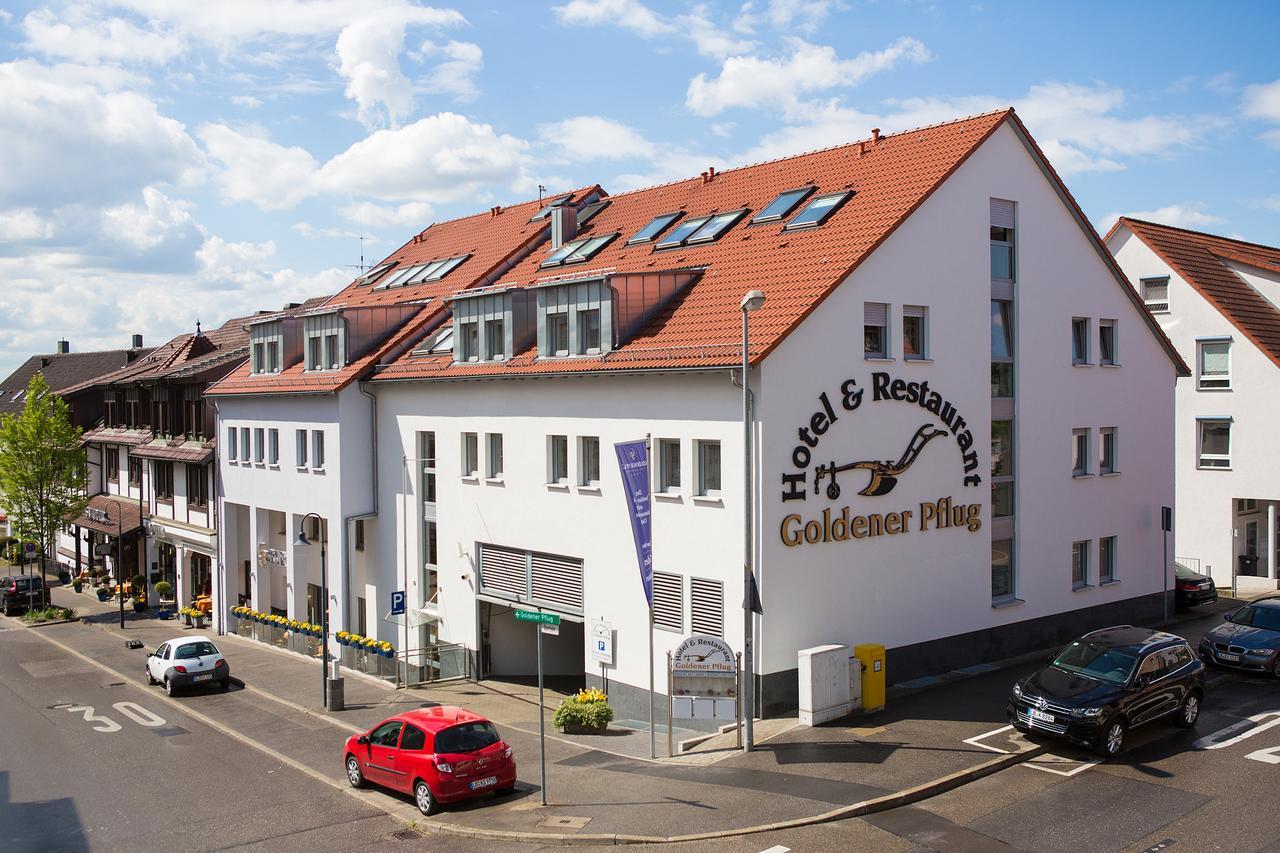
(1225, 656)
(206, 677)
(1041, 716)
(484, 783)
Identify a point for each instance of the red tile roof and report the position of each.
(701, 327)
(493, 240)
(1201, 260)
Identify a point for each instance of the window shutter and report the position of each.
(875, 314)
(557, 581)
(668, 601)
(1002, 213)
(503, 571)
(1213, 359)
(706, 607)
(913, 310)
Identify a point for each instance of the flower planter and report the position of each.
(198, 624)
(575, 729)
(103, 595)
(163, 615)
(386, 654)
(139, 607)
(77, 586)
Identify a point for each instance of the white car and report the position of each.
(188, 662)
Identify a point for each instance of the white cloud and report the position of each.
(709, 38)
(629, 14)
(1189, 214)
(801, 15)
(438, 159)
(248, 102)
(73, 33)
(755, 82)
(369, 59)
(146, 226)
(1262, 101)
(257, 170)
(1268, 203)
(456, 74)
(22, 225)
(412, 214)
(586, 138)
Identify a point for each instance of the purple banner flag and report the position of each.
(633, 461)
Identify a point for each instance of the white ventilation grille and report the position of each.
(668, 601)
(1155, 293)
(557, 581)
(706, 607)
(504, 572)
(542, 579)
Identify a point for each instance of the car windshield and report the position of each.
(467, 737)
(1095, 660)
(1258, 617)
(1183, 572)
(195, 650)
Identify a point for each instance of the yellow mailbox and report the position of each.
(872, 657)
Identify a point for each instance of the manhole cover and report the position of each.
(564, 822)
(406, 835)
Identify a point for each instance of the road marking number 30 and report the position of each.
(106, 725)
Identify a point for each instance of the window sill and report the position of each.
(1081, 587)
(669, 497)
(494, 481)
(1112, 582)
(1109, 364)
(1212, 468)
(473, 479)
(883, 358)
(1081, 364)
(917, 360)
(589, 490)
(1109, 474)
(1006, 601)
(558, 487)
(1214, 390)
(273, 467)
(1081, 476)
(317, 470)
(708, 500)
(301, 469)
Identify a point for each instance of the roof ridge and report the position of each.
(1199, 233)
(809, 152)
(505, 208)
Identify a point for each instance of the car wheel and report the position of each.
(1111, 743)
(1276, 670)
(151, 679)
(427, 803)
(168, 686)
(1190, 711)
(354, 776)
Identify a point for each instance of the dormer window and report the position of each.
(266, 342)
(491, 325)
(495, 342)
(558, 329)
(575, 319)
(326, 342)
(819, 210)
(469, 342)
(589, 330)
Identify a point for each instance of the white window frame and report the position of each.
(1078, 357)
(300, 448)
(1080, 452)
(493, 455)
(1107, 560)
(586, 477)
(666, 483)
(553, 319)
(1201, 456)
(1114, 358)
(869, 310)
(583, 347)
(245, 447)
(495, 344)
(470, 455)
(1105, 434)
(317, 450)
(273, 447)
(1158, 306)
(259, 445)
(232, 445)
(700, 450)
(1222, 381)
(921, 313)
(557, 460)
(1080, 553)
(469, 342)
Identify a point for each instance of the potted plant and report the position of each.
(197, 619)
(64, 577)
(586, 713)
(386, 649)
(103, 592)
(163, 588)
(344, 638)
(139, 603)
(77, 585)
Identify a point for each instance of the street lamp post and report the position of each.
(324, 610)
(119, 567)
(752, 301)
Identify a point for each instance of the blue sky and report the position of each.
(163, 161)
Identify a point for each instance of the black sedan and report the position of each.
(1108, 682)
(1192, 588)
(1250, 639)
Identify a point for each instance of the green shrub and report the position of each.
(588, 714)
(48, 614)
(163, 588)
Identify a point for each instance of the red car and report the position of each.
(439, 755)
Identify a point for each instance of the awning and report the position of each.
(417, 618)
(106, 514)
(195, 452)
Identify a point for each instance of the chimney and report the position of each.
(862, 148)
(875, 134)
(564, 224)
(708, 175)
(64, 346)
(137, 342)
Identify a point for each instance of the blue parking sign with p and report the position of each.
(397, 603)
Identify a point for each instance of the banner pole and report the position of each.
(653, 732)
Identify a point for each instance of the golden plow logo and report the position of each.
(884, 475)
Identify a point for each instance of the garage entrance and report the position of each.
(509, 649)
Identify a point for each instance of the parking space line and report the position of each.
(1033, 764)
(976, 741)
(1247, 728)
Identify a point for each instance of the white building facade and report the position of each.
(1219, 302)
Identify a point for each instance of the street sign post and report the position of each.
(540, 619)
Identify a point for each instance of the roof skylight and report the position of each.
(551, 205)
(588, 213)
(377, 272)
(445, 267)
(443, 341)
(576, 251)
(817, 211)
(557, 256)
(432, 271)
(682, 232)
(655, 227)
(782, 205)
(716, 226)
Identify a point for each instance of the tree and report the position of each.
(43, 475)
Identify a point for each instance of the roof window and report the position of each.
(433, 271)
(819, 210)
(655, 227)
(782, 205)
(682, 232)
(551, 205)
(716, 226)
(589, 212)
(577, 251)
(377, 272)
(443, 341)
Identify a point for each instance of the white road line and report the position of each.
(1247, 728)
(975, 741)
(777, 848)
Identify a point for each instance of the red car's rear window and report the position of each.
(467, 737)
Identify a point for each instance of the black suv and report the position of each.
(21, 592)
(1107, 682)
